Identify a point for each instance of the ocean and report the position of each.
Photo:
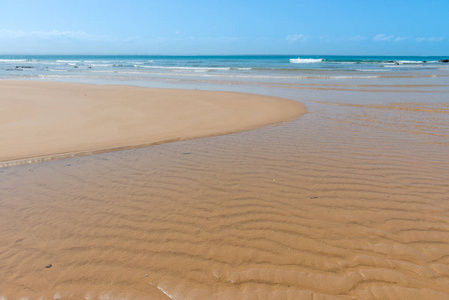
(189, 71)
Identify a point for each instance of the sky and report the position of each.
(213, 27)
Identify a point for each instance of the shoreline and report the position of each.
(63, 120)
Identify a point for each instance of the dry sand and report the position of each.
(46, 120)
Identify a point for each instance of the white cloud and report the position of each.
(358, 38)
(436, 39)
(293, 38)
(392, 38)
(326, 38)
(383, 38)
(355, 38)
(430, 39)
(402, 38)
(52, 34)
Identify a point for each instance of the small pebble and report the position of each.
(314, 197)
(48, 266)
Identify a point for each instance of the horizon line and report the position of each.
(187, 55)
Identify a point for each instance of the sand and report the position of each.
(349, 201)
(47, 120)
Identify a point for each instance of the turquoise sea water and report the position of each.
(283, 68)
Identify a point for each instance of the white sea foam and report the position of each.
(409, 62)
(101, 65)
(145, 73)
(70, 76)
(148, 73)
(289, 77)
(98, 61)
(52, 63)
(373, 70)
(12, 60)
(67, 61)
(305, 60)
(182, 68)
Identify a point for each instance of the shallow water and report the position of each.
(349, 201)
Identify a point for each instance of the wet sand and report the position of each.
(47, 120)
(350, 201)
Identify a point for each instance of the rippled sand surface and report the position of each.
(350, 201)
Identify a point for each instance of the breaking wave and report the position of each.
(305, 60)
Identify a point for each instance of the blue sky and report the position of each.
(351, 27)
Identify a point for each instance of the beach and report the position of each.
(46, 120)
(347, 201)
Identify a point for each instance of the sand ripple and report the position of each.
(344, 203)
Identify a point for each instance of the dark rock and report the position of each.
(49, 266)
(444, 60)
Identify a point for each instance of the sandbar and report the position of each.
(42, 120)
